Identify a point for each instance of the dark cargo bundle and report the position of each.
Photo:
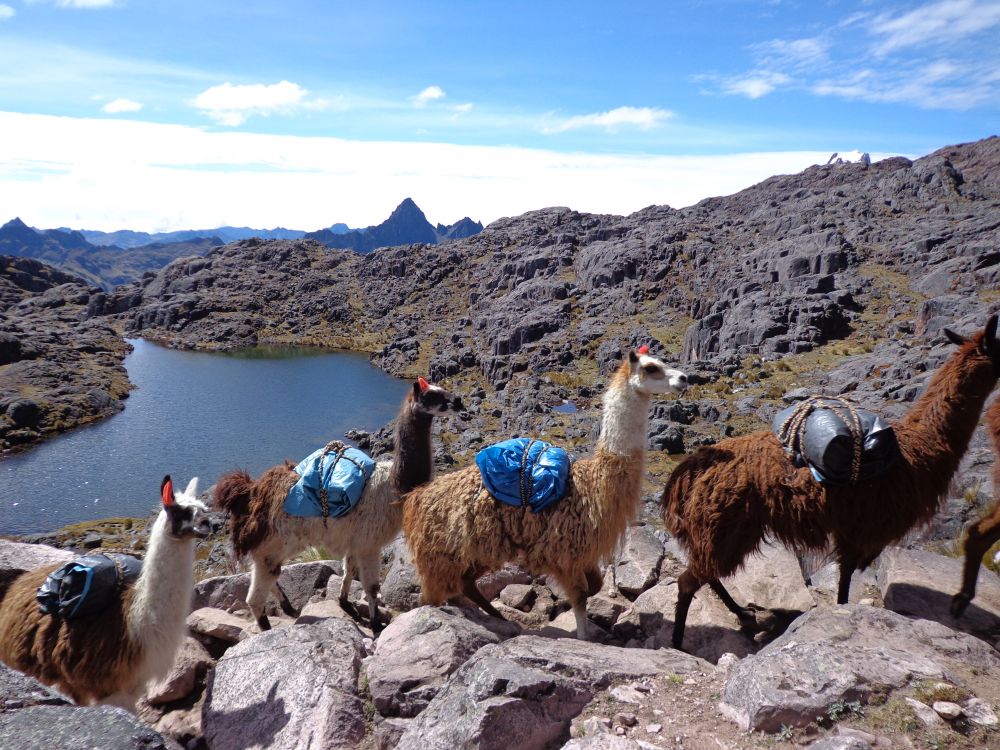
(842, 444)
(87, 585)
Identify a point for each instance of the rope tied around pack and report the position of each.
(792, 428)
(331, 481)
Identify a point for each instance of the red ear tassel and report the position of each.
(168, 492)
(643, 349)
(424, 385)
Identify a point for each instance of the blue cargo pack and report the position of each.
(87, 585)
(331, 481)
(523, 471)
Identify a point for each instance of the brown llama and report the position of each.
(110, 656)
(723, 500)
(262, 530)
(985, 532)
(458, 531)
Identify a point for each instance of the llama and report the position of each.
(110, 656)
(985, 532)
(457, 531)
(723, 500)
(262, 530)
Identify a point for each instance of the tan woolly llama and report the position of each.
(458, 531)
(110, 656)
(268, 535)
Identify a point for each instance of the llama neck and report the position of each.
(625, 422)
(162, 594)
(937, 430)
(412, 460)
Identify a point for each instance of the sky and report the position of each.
(155, 116)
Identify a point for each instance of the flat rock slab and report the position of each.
(18, 690)
(850, 653)
(711, 631)
(217, 623)
(190, 664)
(771, 579)
(288, 689)
(17, 558)
(523, 693)
(921, 584)
(417, 652)
(77, 728)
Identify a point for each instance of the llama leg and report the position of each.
(472, 591)
(687, 587)
(595, 581)
(368, 572)
(123, 699)
(748, 620)
(577, 592)
(261, 584)
(345, 585)
(848, 564)
(981, 537)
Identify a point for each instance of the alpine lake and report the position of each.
(194, 414)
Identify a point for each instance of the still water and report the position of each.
(194, 414)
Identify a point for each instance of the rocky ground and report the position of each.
(58, 368)
(891, 669)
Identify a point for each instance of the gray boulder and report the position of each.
(847, 654)
(17, 558)
(524, 692)
(34, 717)
(298, 581)
(921, 584)
(288, 689)
(637, 567)
(415, 654)
(771, 579)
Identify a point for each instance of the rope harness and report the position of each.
(337, 448)
(790, 431)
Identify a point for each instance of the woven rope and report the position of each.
(791, 429)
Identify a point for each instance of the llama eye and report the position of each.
(651, 369)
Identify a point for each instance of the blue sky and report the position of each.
(480, 107)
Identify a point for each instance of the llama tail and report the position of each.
(672, 500)
(232, 493)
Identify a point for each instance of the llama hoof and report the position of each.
(263, 623)
(748, 621)
(958, 604)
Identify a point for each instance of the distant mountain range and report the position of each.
(107, 259)
(405, 226)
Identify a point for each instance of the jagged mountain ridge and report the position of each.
(128, 238)
(406, 225)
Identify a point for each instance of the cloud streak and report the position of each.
(944, 21)
(6, 12)
(114, 174)
(643, 118)
(117, 106)
(428, 95)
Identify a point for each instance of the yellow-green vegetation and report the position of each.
(931, 691)
(895, 715)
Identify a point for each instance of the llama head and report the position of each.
(187, 517)
(985, 342)
(648, 375)
(433, 399)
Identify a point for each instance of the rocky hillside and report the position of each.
(103, 266)
(836, 279)
(57, 368)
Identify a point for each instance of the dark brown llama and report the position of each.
(723, 500)
(985, 532)
(263, 531)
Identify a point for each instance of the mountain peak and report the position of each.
(15, 223)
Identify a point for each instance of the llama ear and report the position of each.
(167, 491)
(954, 337)
(632, 357)
(423, 384)
(192, 489)
(991, 331)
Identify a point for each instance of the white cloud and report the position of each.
(233, 105)
(6, 12)
(755, 85)
(942, 84)
(428, 95)
(85, 3)
(117, 174)
(791, 52)
(644, 118)
(942, 21)
(116, 106)
(467, 107)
